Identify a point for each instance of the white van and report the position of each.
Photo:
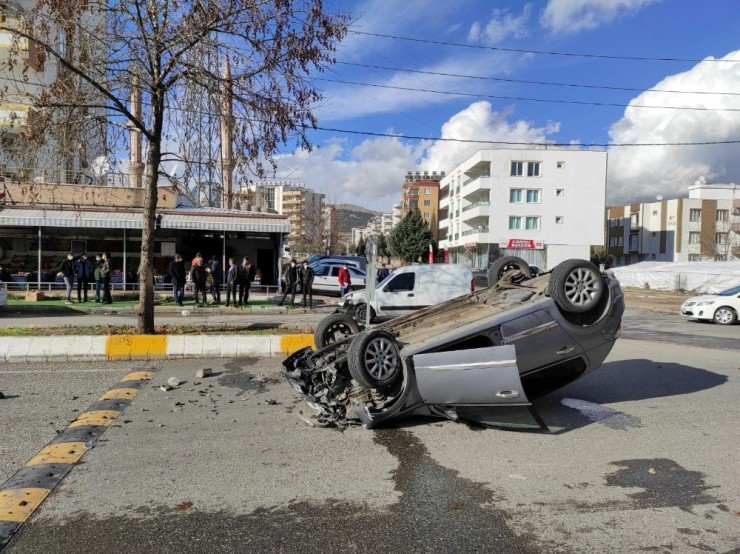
(410, 288)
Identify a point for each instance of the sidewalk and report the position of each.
(103, 347)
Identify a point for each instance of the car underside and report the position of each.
(480, 358)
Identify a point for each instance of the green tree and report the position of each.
(411, 237)
(360, 248)
(383, 247)
(599, 255)
(253, 59)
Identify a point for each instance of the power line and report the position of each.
(534, 144)
(526, 82)
(538, 52)
(524, 98)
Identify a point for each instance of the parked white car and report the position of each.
(722, 308)
(3, 295)
(326, 278)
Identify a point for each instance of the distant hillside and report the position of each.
(350, 216)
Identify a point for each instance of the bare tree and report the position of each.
(153, 50)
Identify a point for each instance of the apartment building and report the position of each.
(380, 224)
(705, 226)
(422, 191)
(543, 205)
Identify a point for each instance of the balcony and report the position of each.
(476, 231)
(476, 186)
(476, 205)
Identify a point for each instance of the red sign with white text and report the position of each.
(524, 243)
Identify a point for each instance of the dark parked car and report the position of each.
(481, 357)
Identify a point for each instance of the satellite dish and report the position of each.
(100, 166)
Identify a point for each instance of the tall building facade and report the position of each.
(705, 226)
(422, 191)
(544, 205)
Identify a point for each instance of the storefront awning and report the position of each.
(12, 217)
(197, 219)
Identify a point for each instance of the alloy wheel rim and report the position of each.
(581, 287)
(381, 359)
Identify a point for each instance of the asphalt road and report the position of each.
(642, 456)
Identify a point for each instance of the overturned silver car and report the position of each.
(481, 357)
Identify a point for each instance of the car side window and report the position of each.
(402, 282)
(335, 271)
(321, 271)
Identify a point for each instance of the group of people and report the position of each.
(298, 279)
(86, 272)
(208, 278)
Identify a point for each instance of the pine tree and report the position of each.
(360, 249)
(383, 246)
(411, 237)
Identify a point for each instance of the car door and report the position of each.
(477, 384)
(322, 278)
(398, 295)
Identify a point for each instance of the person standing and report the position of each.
(67, 271)
(216, 280)
(98, 278)
(177, 275)
(84, 272)
(199, 276)
(105, 273)
(344, 280)
(232, 282)
(382, 273)
(307, 275)
(248, 273)
(291, 282)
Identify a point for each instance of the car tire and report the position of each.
(374, 360)
(334, 328)
(576, 286)
(724, 315)
(361, 313)
(502, 265)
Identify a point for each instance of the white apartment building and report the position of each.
(703, 227)
(380, 224)
(359, 233)
(544, 205)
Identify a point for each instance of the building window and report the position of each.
(720, 238)
(634, 242)
(426, 216)
(694, 214)
(517, 169)
(516, 196)
(723, 215)
(559, 192)
(427, 190)
(620, 241)
(533, 169)
(427, 202)
(694, 237)
(533, 223)
(533, 196)
(515, 222)
(560, 165)
(694, 258)
(558, 219)
(634, 222)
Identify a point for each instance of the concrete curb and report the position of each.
(148, 347)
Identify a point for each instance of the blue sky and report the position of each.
(497, 42)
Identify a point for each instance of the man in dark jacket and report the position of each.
(105, 272)
(291, 282)
(84, 272)
(232, 277)
(307, 275)
(97, 266)
(177, 274)
(199, 276)
(67, 271)
(217, 278)
(247, 274)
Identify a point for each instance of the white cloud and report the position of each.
(641, 173)
(502, 25)
(571, 16)
(372, 173)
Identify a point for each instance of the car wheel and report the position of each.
(576, 286)
(361, 313)
(725, 315)
(334, 328)
(374, 360)
(508, 263)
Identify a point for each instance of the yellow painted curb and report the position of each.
(60, 453)
(293, 343)
(124, 347)
(97, 417)
(17, 505)
(120, 394)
